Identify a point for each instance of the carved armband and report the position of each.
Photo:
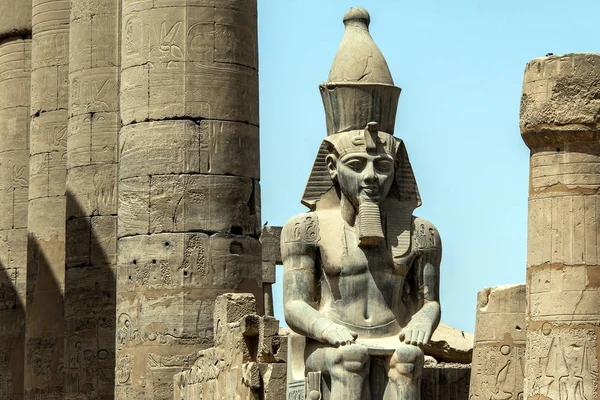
(300, 235)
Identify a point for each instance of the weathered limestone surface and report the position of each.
(560, 110)
(15, 18)
(499, 353)
(361, 273)
(247, 361)
(188, 191)
(270, 239)
(44, 351)
(91, 230)
(15, 75)
(451, 345)
(193, 59)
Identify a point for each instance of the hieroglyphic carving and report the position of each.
(558, 108)
(123, 370)
(500, 373)
(565, 364)
(40, 356)
(186, 228)
(96, 95)
(126, 331)
(194, 260)
(499, 348)
(75, 352)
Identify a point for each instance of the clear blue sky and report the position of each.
(460, 66)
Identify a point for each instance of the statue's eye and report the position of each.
(355, 164)
(384, 165)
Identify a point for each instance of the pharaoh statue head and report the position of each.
(361, 167)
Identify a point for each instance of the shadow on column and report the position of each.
(12, 332)
(43, 350)
(90, 303)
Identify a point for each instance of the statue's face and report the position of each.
(365, 177)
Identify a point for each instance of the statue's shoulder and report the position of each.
(425, 234)
(301, 232)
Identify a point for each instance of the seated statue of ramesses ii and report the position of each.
(361, 273)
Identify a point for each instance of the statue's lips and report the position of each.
(370, 190)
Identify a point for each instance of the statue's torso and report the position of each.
(362, 288)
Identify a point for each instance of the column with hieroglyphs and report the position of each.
(44, 337)
(499, 347)
(91, 230)
(189, 196)
(559, 122)
(15, 77)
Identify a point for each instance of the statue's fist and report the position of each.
(337, 335)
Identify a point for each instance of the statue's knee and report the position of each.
(407, 362)
(407, 353)
(351, 358)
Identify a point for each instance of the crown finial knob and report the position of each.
(357, 15)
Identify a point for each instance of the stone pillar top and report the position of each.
(561, 99)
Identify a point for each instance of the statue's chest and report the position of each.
(346, 258)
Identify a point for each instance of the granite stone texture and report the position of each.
(361, 273)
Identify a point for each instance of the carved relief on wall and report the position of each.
(500, 371)
(126, 330)
(565, 364)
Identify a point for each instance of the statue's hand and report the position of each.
(337, 335)
(416, 333)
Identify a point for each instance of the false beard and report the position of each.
(368, 224)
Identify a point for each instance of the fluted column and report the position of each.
(560, 123)
(44, 350)
(189, 197)
(15, 77)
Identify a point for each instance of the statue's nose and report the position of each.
(369, 173)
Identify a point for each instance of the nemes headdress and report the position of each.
(360, 102)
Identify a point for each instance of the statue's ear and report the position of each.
(331, 162)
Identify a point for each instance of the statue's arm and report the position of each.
(424, 322)
(300, 281)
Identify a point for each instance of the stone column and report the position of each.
(499, 349)
(189, 199)
(46, 210)
(91, 234)
(15, 76)
(560, 106)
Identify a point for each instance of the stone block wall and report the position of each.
(247, 361)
